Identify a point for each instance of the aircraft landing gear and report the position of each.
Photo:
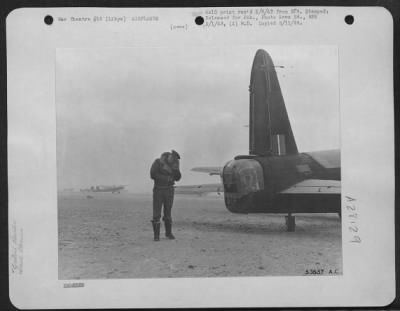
(290, 222)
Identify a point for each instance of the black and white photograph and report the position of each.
(200, 157)
(198, 162)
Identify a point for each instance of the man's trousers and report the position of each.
(163, 198)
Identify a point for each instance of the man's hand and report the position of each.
(175, 164)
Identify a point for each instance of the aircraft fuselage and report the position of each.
(256, 184)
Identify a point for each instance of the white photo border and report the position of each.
(367, 150)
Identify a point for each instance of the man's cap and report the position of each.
(176, 154)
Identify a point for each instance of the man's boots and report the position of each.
(168, 230)
(156, 230)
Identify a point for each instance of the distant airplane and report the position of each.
(199, 189)
(112, 189)
(275, 177)
(209, 170)
(68, 189)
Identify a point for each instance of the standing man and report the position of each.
(164, 172)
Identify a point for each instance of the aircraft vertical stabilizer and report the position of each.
(270, 130)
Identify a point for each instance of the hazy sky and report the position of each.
(119, 109)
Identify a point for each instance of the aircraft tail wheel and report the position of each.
(290, 223)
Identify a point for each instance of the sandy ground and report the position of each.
(110, 236)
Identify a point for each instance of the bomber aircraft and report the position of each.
(112, 189)
(199, 189)
(275, 177)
